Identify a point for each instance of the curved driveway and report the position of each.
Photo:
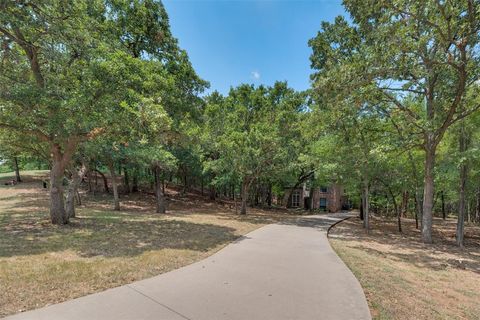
(280, 271)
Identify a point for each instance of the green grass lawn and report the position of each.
(42, 264)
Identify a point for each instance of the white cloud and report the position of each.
(255, 75)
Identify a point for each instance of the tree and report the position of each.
(69, 68)
(250, 131)
(402, 51)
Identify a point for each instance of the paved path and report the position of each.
(280, 271)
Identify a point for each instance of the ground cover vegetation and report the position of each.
(100, 95)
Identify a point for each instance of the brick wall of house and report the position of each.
(334, 195)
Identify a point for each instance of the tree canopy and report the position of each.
(102, 87)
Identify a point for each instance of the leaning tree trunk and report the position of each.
(243, 208)
(105, 181)
(462, 192)
(116, 200)
(17, 170)
(428, 193)
(72, 190)
(159, 195)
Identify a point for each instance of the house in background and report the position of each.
(331, 198)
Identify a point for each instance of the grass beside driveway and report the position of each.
(42, 264)
(405, 279)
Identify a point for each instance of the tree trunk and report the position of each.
(127, 180)
(212, 192)
(418, 206)
(57, 207)
(243, 208)
(366, 220)
(405, 198)
(469, 214)
(399, 214)
(185, 186)
(116, 201)
(463, 144)
(361, 205)
(159, 195)
(96, 177)
(428, 193)
(105, 181)
(310, 198)
(135, 181)
(79, 199)
(256, 198)
(17, 170)
(72, 190)
(269, 195)
(89, 178)
(235, 201)
(477, 207)
(444, 212)
(418, 192)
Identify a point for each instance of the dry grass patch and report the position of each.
(405, 279)
(42, 264)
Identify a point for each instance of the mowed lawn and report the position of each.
(42, 264)
(405, 279)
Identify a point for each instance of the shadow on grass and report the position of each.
(109, 234)
(25, 228)
(141, 203)
(407, 247)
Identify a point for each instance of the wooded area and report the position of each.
(102, 87)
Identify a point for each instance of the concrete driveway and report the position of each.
(280, 271)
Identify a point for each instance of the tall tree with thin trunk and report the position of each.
(113, 179)
(401, 52)
(462, 201)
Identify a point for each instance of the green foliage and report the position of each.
(251, 135)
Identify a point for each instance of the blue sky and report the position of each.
(233, 42)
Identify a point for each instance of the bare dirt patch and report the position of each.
(405, 279)
(42, 264)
